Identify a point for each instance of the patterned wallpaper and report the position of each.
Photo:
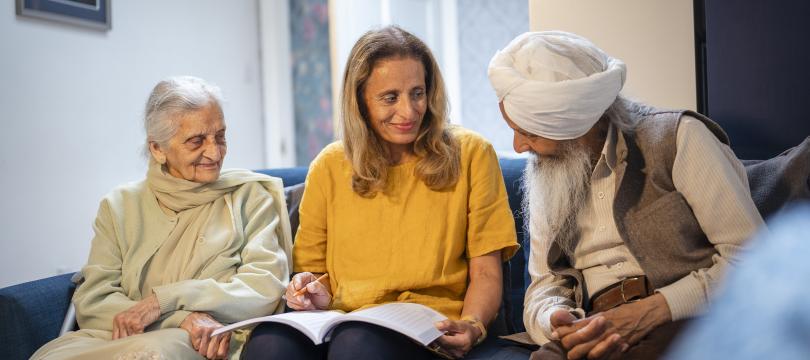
(312, 91)
(484, 27)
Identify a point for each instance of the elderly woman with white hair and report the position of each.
(189, 248)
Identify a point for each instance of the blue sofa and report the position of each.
(32, 313)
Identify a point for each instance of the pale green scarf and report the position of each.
(179, 194)
(194, 201)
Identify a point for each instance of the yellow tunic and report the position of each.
(410, 243)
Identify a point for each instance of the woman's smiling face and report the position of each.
(396, 100)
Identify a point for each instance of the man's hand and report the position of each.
(621, 327)
(134, 320)
(633, 321)
(317, 296)
(199, 326)
(586, 338)
(459, 337)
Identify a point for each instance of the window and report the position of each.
(321, 34)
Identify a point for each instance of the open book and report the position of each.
(412, 320)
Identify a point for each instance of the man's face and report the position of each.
(525, 141)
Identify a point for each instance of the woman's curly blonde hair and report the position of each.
(437, 150)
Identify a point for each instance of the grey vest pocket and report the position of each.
(678, 244)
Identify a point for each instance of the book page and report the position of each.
(310, 323)
(413, 320)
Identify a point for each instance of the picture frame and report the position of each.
(88, 13)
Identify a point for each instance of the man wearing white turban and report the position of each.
(634, 212)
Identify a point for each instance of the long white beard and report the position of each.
(555, 190)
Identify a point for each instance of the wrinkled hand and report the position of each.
(134, 320)
(622, 326)
(199, 326)
(588, 338)
(635, 320)
(459, 337)
(317, 296)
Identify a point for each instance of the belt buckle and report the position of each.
(621, 289)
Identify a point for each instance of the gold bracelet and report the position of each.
(475, 321)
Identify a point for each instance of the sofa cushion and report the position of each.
(515, 277)
(293, 194)
(32, 314)
(780, 180)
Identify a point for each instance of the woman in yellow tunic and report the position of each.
(403, 209)
(187, 249)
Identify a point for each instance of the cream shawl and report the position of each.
(241, 261)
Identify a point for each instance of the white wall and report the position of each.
(655, 38)
(71, 101)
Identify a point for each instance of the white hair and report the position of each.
(172, 96)
(624, 114)
(556, 189)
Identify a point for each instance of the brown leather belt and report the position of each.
(625, 291)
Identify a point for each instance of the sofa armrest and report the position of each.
(32, 314)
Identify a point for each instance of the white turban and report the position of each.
(555, 84)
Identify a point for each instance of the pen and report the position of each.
(320, 279)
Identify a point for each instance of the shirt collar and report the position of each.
(612, 141)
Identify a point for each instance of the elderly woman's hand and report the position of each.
(316, 297)
(199, 326)
(459, 337)
(134, 320)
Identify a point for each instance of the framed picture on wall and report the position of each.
(89, 13)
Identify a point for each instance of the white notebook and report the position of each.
(412, 320)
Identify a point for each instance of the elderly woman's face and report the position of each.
(396, 100)
(196, 151)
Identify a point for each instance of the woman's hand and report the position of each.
(199, 326)
(134, 320)
(316, 297)
(459, 337)
(481, 300)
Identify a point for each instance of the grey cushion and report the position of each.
(780, 180)
(293, 194)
